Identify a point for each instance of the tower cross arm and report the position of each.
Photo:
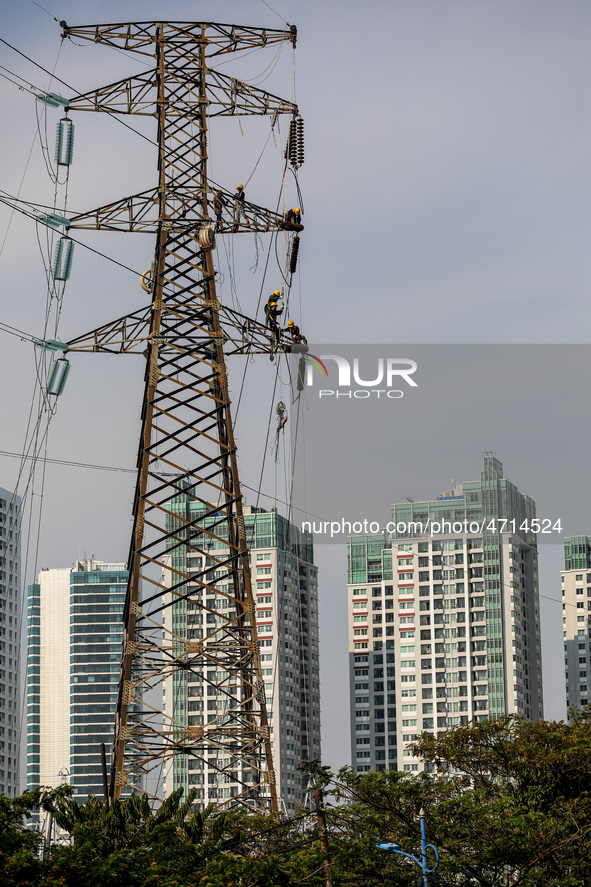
(126, 335)
(132, 95)
(225, 95)
(143, 37)
(130, 334)
(139, 213)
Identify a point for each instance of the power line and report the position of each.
(67, 462)
(67, 85)
(89, 465)
(47, 11)
(275, 11)
(29, 88)
(14, 331)
(30, 215)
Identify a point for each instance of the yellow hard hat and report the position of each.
(297, 210)
(240, 187)
(290, 322)
(276, 293)
(273, 304)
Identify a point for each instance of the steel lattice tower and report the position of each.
(187, 443)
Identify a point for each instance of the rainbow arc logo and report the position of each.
(316, 362)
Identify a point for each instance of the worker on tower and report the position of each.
(272, 312)
(218, 206)
(274, 297)
(295, 334)
(240, 207)
(292, 216)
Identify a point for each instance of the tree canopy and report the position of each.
(506, 802)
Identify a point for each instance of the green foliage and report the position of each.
(318, 775)
(507, 802)
(19, 844)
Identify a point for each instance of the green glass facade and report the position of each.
(96, 635)
(10, 603)
(455, 633)
(285, 591)
(577, 553)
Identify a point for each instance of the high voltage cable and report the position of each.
(36, 435)
(78, 93)
(14, 331)
(67, 85)
(31, 203)
(32, 88)
(31, 215)
(89, 465)
(47, 11)
(285, 22)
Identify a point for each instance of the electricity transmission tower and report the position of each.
(187, 443)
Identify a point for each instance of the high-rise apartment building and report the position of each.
(74, 650)
(576, 618)
(285, 588)
(9, 642)
(444, 622)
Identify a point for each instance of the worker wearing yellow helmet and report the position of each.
(240, 211)
(272, 312)
(294, 331)
(273, 299)
(293, 217)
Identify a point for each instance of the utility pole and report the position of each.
(321, 819)
(105, 778)
(187, 447)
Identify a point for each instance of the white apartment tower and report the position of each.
(285, 587)
(444, 622)
(576, 618)
(9, 642)
(75, 632)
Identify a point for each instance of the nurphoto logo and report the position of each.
(388, 372)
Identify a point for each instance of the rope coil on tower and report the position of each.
(207, 237)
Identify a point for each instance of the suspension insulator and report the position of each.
(58, 373)
(54, 221)
(53, 100)
(62, 259)
(64, 142)
(301, 373)
(295, 248)
(300, 139)
(291, 149)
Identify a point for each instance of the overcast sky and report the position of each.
(446, 195)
